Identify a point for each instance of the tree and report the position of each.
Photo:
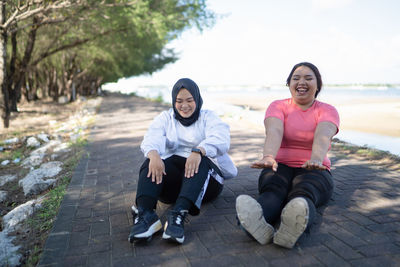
(80, 44)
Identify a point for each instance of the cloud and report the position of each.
(330, 4)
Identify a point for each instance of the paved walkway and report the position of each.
(360, 227)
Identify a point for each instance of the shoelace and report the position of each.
(139, 218)
(178, 217)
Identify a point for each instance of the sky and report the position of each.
(257, 42)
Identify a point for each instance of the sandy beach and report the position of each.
(377, 115)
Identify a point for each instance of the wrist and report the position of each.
(268, 156)
(197, 151)
(152, 154)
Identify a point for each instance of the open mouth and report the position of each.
(301, 90)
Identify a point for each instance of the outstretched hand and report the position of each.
(313, 165)
(266, 162)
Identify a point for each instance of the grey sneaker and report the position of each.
(251, 218)
(294, 220)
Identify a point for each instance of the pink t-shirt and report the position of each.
(299, 127)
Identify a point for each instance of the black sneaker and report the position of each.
(173, 229)
(145, 224)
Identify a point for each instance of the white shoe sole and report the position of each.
(154, 228)
(251, 218)
(294, 220)
(168, 237)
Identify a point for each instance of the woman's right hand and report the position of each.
(156, 167)
(266, 162)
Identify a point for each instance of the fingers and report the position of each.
(159, 177)
(191, 170)
(192, 165)
(265, 164)
(275, 166)
(156, 171)
(156, 176)
(314, 165)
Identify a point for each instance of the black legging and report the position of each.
(175, 185)
(278, 188)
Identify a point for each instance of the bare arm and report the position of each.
(273, 140)
(322, 139)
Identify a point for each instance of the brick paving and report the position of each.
(359, 227)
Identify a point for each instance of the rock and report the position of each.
(9, 255)
(61, 148)
(7, 178)
(43, 137)
(36, 156)
(56, 137)
(33, 160)
(20, 213)
(34, 183)
(5, 162)
(3, 195)
(32, 142)
(11, 141)
(63, 99)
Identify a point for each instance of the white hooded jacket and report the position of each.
(169, 137)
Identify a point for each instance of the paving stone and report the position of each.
(380, 249)
(358, 227)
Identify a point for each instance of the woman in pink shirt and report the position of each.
(295, 177)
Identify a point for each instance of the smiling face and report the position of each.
(303, 86)
(185, 103)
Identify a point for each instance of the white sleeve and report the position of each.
(217, 139)
(155, 138)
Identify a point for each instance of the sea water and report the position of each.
(273, 92)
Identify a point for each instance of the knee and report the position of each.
(145, 165)
(316, 193)
(271, 181)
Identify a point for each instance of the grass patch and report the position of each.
(158, 99)
(345, 149)
(43, 219)
(41, 223)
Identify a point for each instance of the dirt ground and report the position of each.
(33, 118)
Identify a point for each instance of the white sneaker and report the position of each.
(251, 218)
(294, 220)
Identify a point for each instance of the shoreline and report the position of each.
(376, 116)
(365, 122)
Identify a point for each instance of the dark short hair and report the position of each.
(313, 68)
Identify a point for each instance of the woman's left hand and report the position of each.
(314, 165)
(192, 165)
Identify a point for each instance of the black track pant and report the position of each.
(174, 185)
(278, 188)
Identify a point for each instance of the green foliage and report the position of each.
(159, 99)
(96, 42)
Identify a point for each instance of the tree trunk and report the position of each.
(5, 110)
(10, 75)
(20, 78)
